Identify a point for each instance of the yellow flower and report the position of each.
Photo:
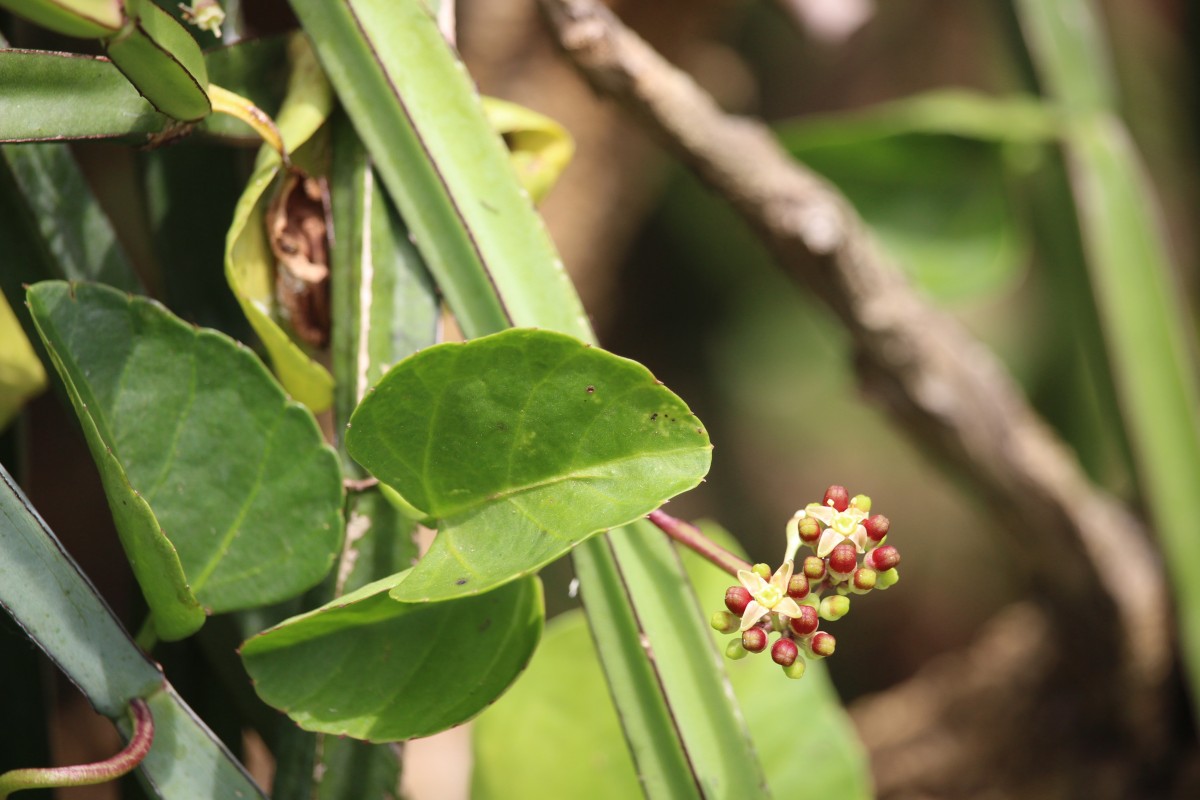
(840, 526)
(767, 597)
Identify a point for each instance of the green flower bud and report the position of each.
(887, 578)
(861, 502)
(796, 670)
(734, 650)
(762, 570)
(724, 622)
(834, 608)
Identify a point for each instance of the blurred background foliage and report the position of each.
(919, 111)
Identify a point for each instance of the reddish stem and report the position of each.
(692, 538)
(87, 774)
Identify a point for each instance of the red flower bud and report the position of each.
(754, 640)
(784, 652)
(838, 497)
(807, 622)
(822, 644)
(798, 587)
(877, 527)
(813, 568)
(736, 599)
(844, 559)
(882, 558)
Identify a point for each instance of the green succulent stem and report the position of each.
(694, 539)
(88, 774)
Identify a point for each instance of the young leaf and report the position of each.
(539, 149)
(249, 262)
(369, 667)
(522, 444)
(21, 372)
(199, 449)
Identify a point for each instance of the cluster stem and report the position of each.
(692, 538)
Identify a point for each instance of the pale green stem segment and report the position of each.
(88, 774)
(1135, 288)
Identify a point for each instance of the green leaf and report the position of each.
(249, 261)
(187, 760)
(43, 590)
(522, 444)
(77, 241)
(561, 698)
(48, 96)
(369, 667)
(161, 59)
(84, 18)
(938, 204)
(200, 452)
(998, 119)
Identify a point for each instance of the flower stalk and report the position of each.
(692, 538)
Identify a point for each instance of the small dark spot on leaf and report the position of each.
(591, 390)
(654, 415)
(483, 626)
(460, 582)
(700, 431)
(501, 426)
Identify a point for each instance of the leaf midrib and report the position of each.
(577, 473)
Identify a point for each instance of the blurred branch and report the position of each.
(1089, 559)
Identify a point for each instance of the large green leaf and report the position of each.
(197, 442)
(522, 444)
(369, 667)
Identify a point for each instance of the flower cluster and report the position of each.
(793, 600)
